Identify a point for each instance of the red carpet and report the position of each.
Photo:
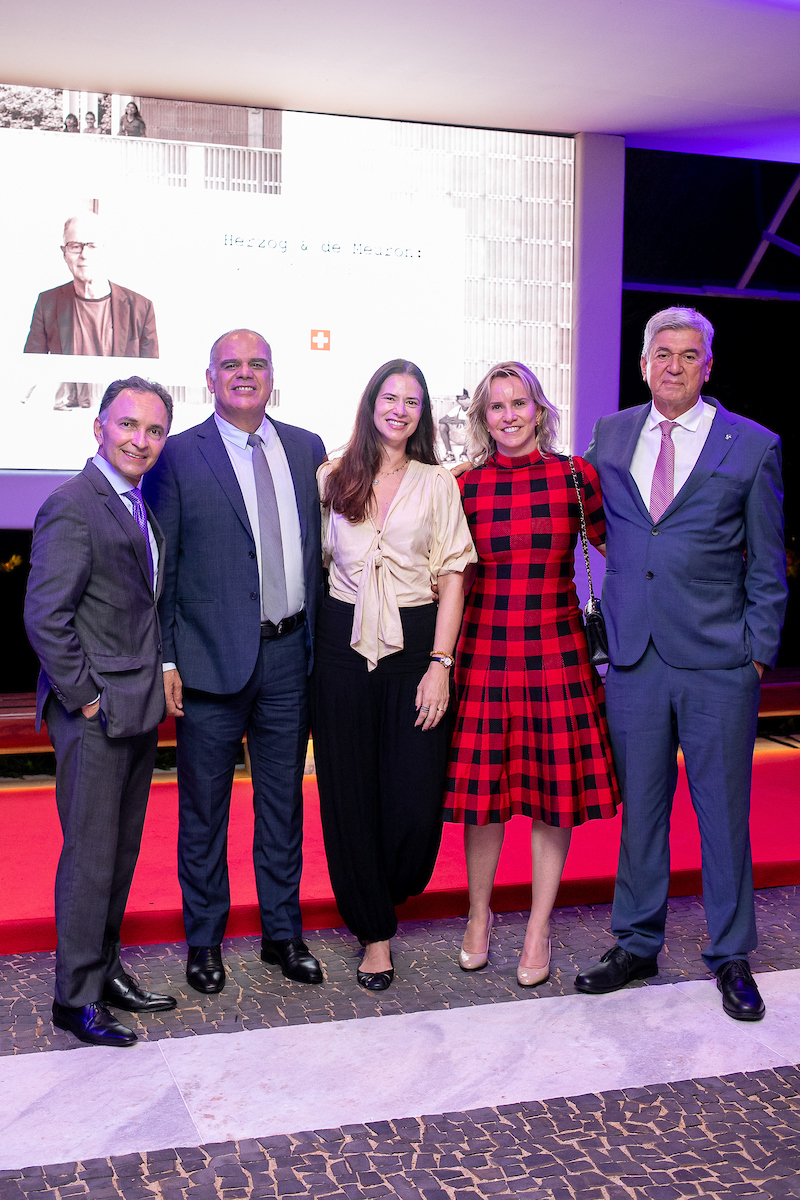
(30, 844)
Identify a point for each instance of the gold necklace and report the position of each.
(386, 474)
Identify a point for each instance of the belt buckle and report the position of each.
(279, 626)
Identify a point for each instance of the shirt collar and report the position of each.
(231, 433)
(689, 420)
(120, 484)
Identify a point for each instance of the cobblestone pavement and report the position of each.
(738, 1136)
(427, 978)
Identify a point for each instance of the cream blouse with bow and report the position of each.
(380, 571)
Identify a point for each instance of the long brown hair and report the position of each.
(348, 487)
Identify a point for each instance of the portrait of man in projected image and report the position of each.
(91, 315)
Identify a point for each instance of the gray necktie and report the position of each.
(273, 576)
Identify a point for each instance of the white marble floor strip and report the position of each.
(67, 1105)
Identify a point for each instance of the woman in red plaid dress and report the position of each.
(531, 735)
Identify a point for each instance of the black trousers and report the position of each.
(381, 780)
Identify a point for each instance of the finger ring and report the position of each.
(441, 709)
(424, 708)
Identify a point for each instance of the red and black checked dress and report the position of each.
(531, 734)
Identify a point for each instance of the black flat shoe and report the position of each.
(741, 998)
(124, 992)
(204, 969)
(293, 957)
(92, 1024)
(616, 968)
(376, 981)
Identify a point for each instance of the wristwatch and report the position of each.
(446, 660)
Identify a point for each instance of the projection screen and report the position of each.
(345, 241)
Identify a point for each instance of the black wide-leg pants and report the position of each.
(381, 780)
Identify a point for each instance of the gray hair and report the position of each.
(135, 384)
(678, 318)
(481, 443)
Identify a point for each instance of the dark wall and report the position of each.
(696, 220)
(19, 666)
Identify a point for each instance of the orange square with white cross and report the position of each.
(320, 339)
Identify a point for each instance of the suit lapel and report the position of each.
(160, 543)
(212, 448)
(630, 433)
(64, 317)
(117, 509)
(120, 322)
(296, 466)
(721, 437)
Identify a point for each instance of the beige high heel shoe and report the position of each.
(476, 962)
(533, 976)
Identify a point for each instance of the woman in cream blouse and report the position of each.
(392, 525)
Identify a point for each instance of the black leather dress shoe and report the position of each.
(740, 996)
(616, 968)
(293, 957)
(204, 969)
(124, 992)
(93, 1024)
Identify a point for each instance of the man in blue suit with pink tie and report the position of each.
(694, 597)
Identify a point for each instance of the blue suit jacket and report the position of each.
(210, 610)
(708, 582)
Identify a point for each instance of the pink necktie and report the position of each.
(663, 489)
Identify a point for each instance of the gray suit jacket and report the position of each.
(90, 613)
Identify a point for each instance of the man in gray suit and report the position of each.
(91, 617)
(694, 596)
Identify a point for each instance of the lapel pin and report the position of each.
(727, 437)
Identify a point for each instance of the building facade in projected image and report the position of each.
(346, 241)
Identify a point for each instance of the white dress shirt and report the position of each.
(121, 485)
(688, 439)
(241, 456)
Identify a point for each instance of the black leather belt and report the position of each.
(270, 630)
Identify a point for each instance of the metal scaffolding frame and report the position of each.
(768, 238)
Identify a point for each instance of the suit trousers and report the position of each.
(381, 780)
(272, 709)
(651, 709)
(102, 786)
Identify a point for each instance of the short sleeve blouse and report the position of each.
(380, 571)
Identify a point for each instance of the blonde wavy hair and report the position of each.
(481, 443)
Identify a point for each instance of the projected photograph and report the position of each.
(345, 241)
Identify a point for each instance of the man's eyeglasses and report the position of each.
(79, 247)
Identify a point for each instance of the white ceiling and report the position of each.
(715, 76)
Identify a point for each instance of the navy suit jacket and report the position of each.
(708, 582)
(90, 612)
(132, 317)
(210, 605)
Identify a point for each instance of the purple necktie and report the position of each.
(663, 489)
(140, 517)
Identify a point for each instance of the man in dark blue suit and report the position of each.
(694, 597)
(237, 499)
